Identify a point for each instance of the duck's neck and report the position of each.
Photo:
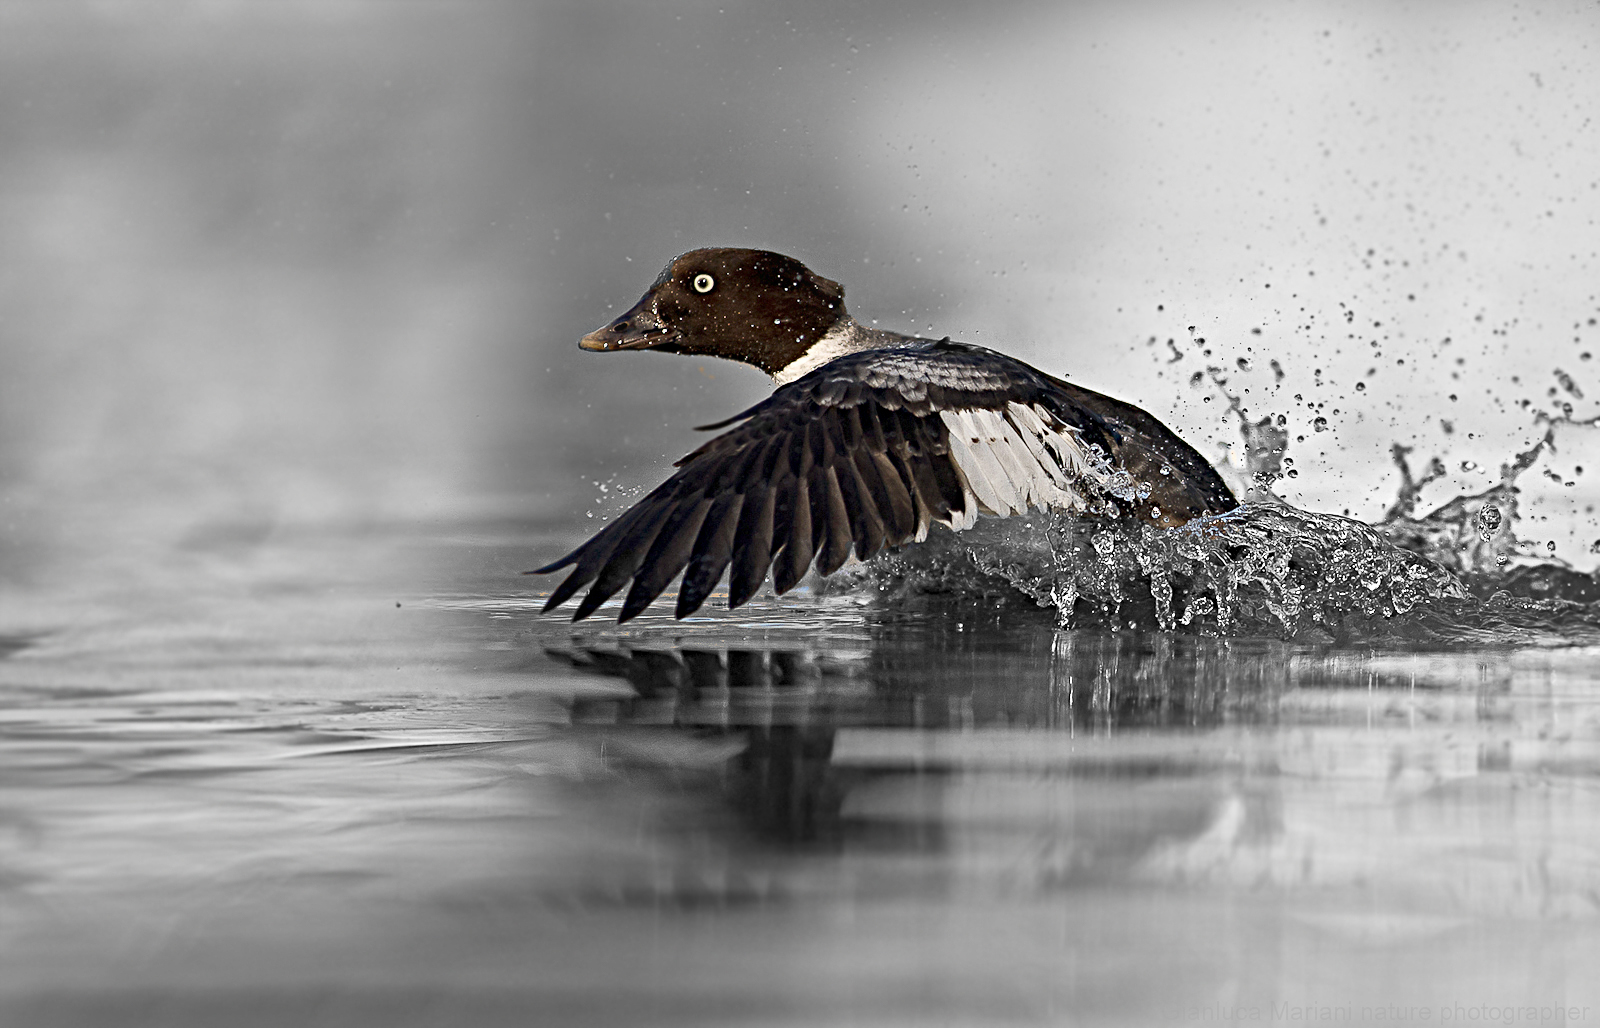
(846, 336)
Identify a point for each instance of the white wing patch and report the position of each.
(1022, 457)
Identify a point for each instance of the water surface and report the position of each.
(271, 792)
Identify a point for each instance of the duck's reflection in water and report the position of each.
(1039, 760)
(885, 745)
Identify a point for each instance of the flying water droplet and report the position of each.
(1489, 520)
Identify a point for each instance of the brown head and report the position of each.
(754, 306)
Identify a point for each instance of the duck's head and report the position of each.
(754, 306)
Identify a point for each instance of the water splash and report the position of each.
(1474, 535)
(1262, 565)
(1457, 572)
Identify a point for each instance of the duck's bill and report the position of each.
(638, 329)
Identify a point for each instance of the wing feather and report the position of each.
(711, 553)
(900, 520)
(668, 555)
(973, 463)
(867, 452)
(752, 547)
(790, 563)
(1005, 443)
(836, 522)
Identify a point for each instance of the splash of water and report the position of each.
(1262, 565)
(1456, 572)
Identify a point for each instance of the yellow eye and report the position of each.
(703, 283)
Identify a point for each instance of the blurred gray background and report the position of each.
(325, 263)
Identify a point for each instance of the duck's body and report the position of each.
(870, 438)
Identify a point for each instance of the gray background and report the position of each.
(276, 264)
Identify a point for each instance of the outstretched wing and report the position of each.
(863, 453)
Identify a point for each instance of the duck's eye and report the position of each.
(703, 283)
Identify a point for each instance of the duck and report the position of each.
(871, 438)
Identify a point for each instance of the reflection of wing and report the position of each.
(866, 451)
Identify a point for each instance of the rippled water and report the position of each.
(263, 793)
